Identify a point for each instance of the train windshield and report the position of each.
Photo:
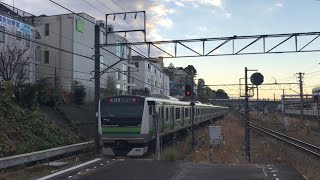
(122, 111)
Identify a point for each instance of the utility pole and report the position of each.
(257, 102)
(301, 94)
(193, 111)
(247, 128)
(97, 79)
(283, 104)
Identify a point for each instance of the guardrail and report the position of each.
(20, 159)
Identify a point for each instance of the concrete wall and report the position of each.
(84, 46)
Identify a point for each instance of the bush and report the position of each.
(170, 154)
(27, 95)
(47, 94)
(24, 130)
(79, 93)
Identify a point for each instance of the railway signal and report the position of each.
(188, 90)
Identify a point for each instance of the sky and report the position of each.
(188, 19)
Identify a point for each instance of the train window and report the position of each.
(167, 114)
(177, 113)
(172, 113)
(198, 111)
(162, 113)
(150, 110)
(186, 112)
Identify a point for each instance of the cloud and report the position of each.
(202, 28)
(180, 4)
(278, 4)
(228, 15)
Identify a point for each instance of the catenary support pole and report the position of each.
(97, 80)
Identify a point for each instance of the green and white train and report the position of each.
(127, 127)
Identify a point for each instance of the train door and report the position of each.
(162, 118)
(167, 119)
(190, 110)
(183, 116)
(172, 117)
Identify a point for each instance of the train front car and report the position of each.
(120, 119)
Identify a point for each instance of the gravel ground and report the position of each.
(265, 150)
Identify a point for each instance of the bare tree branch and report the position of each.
(14, 60)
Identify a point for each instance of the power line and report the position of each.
(115, 21)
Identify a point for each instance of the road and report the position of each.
(123, 169)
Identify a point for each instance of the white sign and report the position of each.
(15, 25)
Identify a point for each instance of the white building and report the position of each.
(75, 34)
(150, 75)
(20, 24)
(120, 71)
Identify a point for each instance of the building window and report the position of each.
(101, 62)
(155, 70)
(2, 34)
(160, 74)
(46, 29)
(124, 69)
(79, 25)
(18, 34)
(118, 86)
(149, 67)
(102, 37)
(118, 74)
(27, 40)
(46, 57)
(118, 49)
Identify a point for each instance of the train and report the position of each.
(126, 123)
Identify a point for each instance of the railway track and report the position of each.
(299, 144)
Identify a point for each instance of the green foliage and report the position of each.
(221, 94)
(111, 89)
(47, 94)
(170, 154)
(24, 130)
(79, 92)
(27, 95)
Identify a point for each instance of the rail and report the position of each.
(21, 159)
(310, 148)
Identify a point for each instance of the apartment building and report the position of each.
(75, 33)
(149, 74)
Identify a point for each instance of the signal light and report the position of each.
(187, 90)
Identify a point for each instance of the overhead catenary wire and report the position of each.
(104, 48)
(138, 49)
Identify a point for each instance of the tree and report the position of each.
(221, 94)
(14, 60)
(111, 89)
(171, 66)
(79, 92)
(201, 86)
(190, 70)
